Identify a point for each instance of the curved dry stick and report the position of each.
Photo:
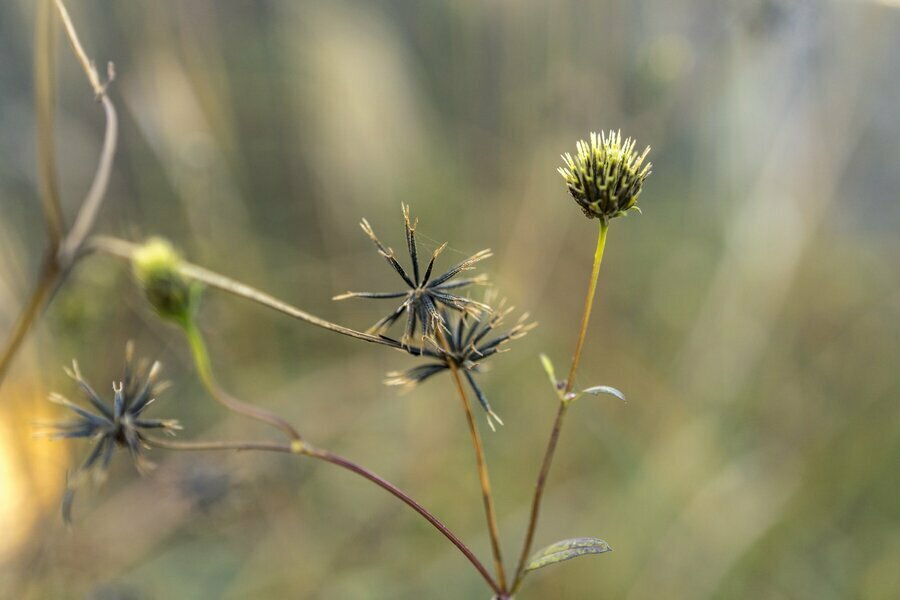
(344, 463)
(87, 214)
(62, 252)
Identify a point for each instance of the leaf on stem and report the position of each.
(604, 389)
(565, 550)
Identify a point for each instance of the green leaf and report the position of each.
(565, 550)
(604, 389)
(548, 367)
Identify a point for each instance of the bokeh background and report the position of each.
(751, 314)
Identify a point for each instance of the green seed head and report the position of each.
(155, 267)
(606, 175)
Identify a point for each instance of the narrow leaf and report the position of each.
(548, 367)
(565, 550)
(605, 389)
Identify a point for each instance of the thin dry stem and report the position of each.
(44, 101)
(45, 287)
(87, 214)
(484, 478)
(62, 249)
(124, 249)
(86, 63)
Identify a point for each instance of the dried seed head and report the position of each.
(606, 175)
(470, 340)
(119, 424)
(426, 295)
(156, 268)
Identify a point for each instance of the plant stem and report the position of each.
(588, 304)
(63, 249)
(90, 206)
(87, 64)
(44, 105)
(204, 370)
(46, 284)
(124, 249)
(561, 412)
(486, 495)
(344, 463)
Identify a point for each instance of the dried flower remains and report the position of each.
(427, 297)
(468, 345)
(120, 425)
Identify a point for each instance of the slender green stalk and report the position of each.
(588, 304)
(484, 478)
(561, 412)
(124, 249)
(204, 370)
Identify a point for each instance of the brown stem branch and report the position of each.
(46, 284)
(484, 478)
(344, 463)
(62, 248)
(44, 104)
(538, 495)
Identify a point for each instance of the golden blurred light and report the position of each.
(15, 515)
(31, 476)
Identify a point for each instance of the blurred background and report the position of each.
(751, 314)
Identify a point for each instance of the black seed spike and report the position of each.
(459, 267)
(434, 256)
(411, 243)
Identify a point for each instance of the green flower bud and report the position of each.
(606, 176)
(173, 295)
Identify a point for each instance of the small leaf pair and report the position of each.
(560, 385)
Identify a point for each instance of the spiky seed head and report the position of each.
(606, 175)
(156, 268)
(110, 425)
